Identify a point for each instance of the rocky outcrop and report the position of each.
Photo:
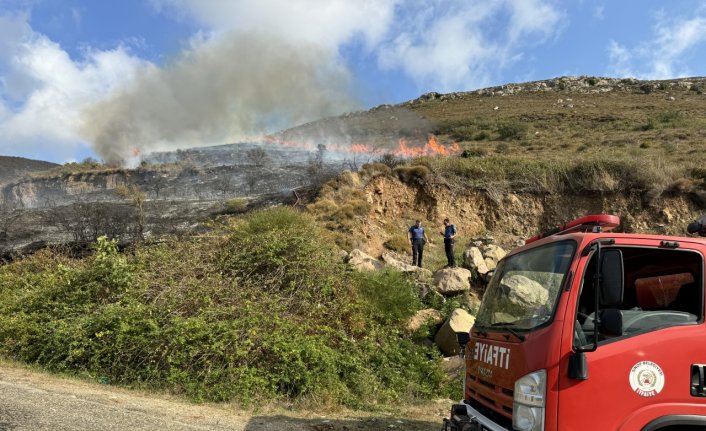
(574, 85)
(458, 321)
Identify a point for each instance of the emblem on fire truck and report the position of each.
(646, 379)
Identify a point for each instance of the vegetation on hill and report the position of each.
(260, 308)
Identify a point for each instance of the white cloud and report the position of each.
(599, 12)
(620, 59)
(44, 91)
(327, 23)
(465, 43)
(445, 44)
(663, 56)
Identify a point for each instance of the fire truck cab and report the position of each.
(585, 329)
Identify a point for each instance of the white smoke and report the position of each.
(222, 89)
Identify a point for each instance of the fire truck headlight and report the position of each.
(529, 401)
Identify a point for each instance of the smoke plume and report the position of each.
(220, 90)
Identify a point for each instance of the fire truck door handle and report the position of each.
(697, 380)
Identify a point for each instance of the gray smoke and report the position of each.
(220, 91)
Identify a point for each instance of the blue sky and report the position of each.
(83, 78)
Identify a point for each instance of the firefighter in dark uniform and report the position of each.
(417, 237)
(449, 233)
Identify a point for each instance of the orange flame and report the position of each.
(135, 152)
(431, 148)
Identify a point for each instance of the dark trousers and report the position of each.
(417, 252)
(449, 248)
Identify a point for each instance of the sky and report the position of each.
(110, 78)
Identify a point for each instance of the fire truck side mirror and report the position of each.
(462, 338)
(612, 278)
(611, 322)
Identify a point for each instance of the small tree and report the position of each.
(258, 156)
(224, 184)
(135, 197)
(316, 169)
(158, 183)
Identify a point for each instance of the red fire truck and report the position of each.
(586, 329)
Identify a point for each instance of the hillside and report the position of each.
(227, 306)
(662, 121)
(14, 168)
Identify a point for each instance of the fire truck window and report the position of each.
(663, 288)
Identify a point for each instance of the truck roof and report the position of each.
(589, 228)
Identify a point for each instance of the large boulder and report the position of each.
(364, 262)
(458, 321)
(473, 259)
(423, 316)
(493, 251)
(491, 264)
(451, 281)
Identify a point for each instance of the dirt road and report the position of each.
(31, 401)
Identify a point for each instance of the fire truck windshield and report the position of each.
(523, 292)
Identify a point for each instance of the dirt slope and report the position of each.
(509, 217)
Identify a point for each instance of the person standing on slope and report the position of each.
(449, 233)
(417, 237)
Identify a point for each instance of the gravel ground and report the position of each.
(32, 401)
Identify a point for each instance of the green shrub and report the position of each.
(237, 205)
(388, 295)
(398, 243)
(481, 136)
(474, 152)
(512, 130)
(669, 117)
(502, 148)
(258, 310)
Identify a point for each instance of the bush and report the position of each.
(258, 310)
(474, 152)
(389, 296)
(371, 170)
(398, 243)
(502, 148)
(481, 136)
(390, 160)
(413, 174)
(512, 130)
(237, 205)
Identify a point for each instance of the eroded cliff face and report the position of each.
(168, 198)
(511, 217)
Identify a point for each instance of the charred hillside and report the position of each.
(168, 193)
(589, 139)
(14, 168)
